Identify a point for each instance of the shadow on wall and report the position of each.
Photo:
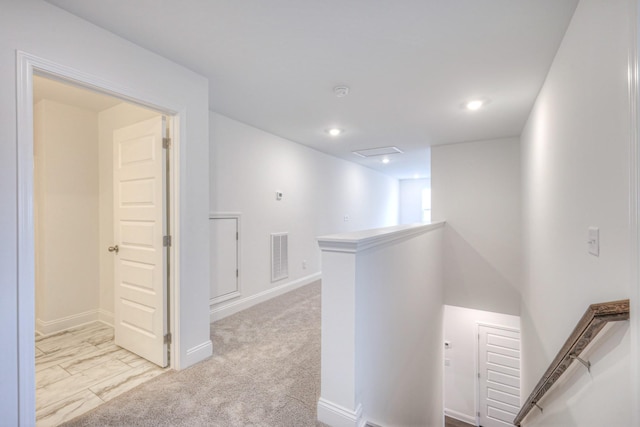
(471, 281)
(532, 349)
(576, 382)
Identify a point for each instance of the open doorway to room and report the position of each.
(101, 203)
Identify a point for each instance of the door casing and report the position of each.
(236, 216)
(27, 66)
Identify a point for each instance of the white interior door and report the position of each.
(139, 228)
(224, 259)
(499, 376)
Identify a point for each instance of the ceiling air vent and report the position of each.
(373, 152)
(279, 256)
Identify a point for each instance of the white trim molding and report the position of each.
(214, 215)
(338, 416)
(199, 353)
(367, 278)
(105, 317)
(27, 65)
(26, 242)
(634, 201)
(460, 416)
(227, 309)
(361, 240)
(48, 327)
(238, 292)
(226, 297)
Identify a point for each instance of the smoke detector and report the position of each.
(341, 91)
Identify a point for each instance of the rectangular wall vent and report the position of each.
(382, 151)
(279, 256)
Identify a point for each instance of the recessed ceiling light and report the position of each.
(474, 105)
(385, 160)
(334, 131)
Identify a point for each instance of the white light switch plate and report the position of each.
(593, 241)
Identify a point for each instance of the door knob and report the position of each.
(115, 249)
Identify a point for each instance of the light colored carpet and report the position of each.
(265, 371)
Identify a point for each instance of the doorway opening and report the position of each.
(482, 367)
(101, 219)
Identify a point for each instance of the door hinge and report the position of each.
(237, 236)
(237, 272)
(167, 338)
(166, 241)
(166, 142)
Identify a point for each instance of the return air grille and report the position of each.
(373, 152)
(279, 256)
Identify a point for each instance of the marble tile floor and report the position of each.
(80, 369)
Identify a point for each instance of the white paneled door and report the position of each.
(139, 228)
(499, 375)
(224, 283)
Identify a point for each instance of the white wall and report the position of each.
(66, 202)
(382, 327)
(401, 304)
(461, 329)
(475, 187)
(575, 150)
(74, 211)
(411, 199)
(45, 31)
(249, 165)
(116, 117)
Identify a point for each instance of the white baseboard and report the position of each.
(197, 354)
(48, 327)
(228, 308)
(460, 416)
(339, 416)
(105, 317)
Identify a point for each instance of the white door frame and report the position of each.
(476, 355)
(634, 203)
(238, 293)
(27, 65)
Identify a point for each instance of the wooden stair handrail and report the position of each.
(591, 323)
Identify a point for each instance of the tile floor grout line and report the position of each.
(68, 405)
